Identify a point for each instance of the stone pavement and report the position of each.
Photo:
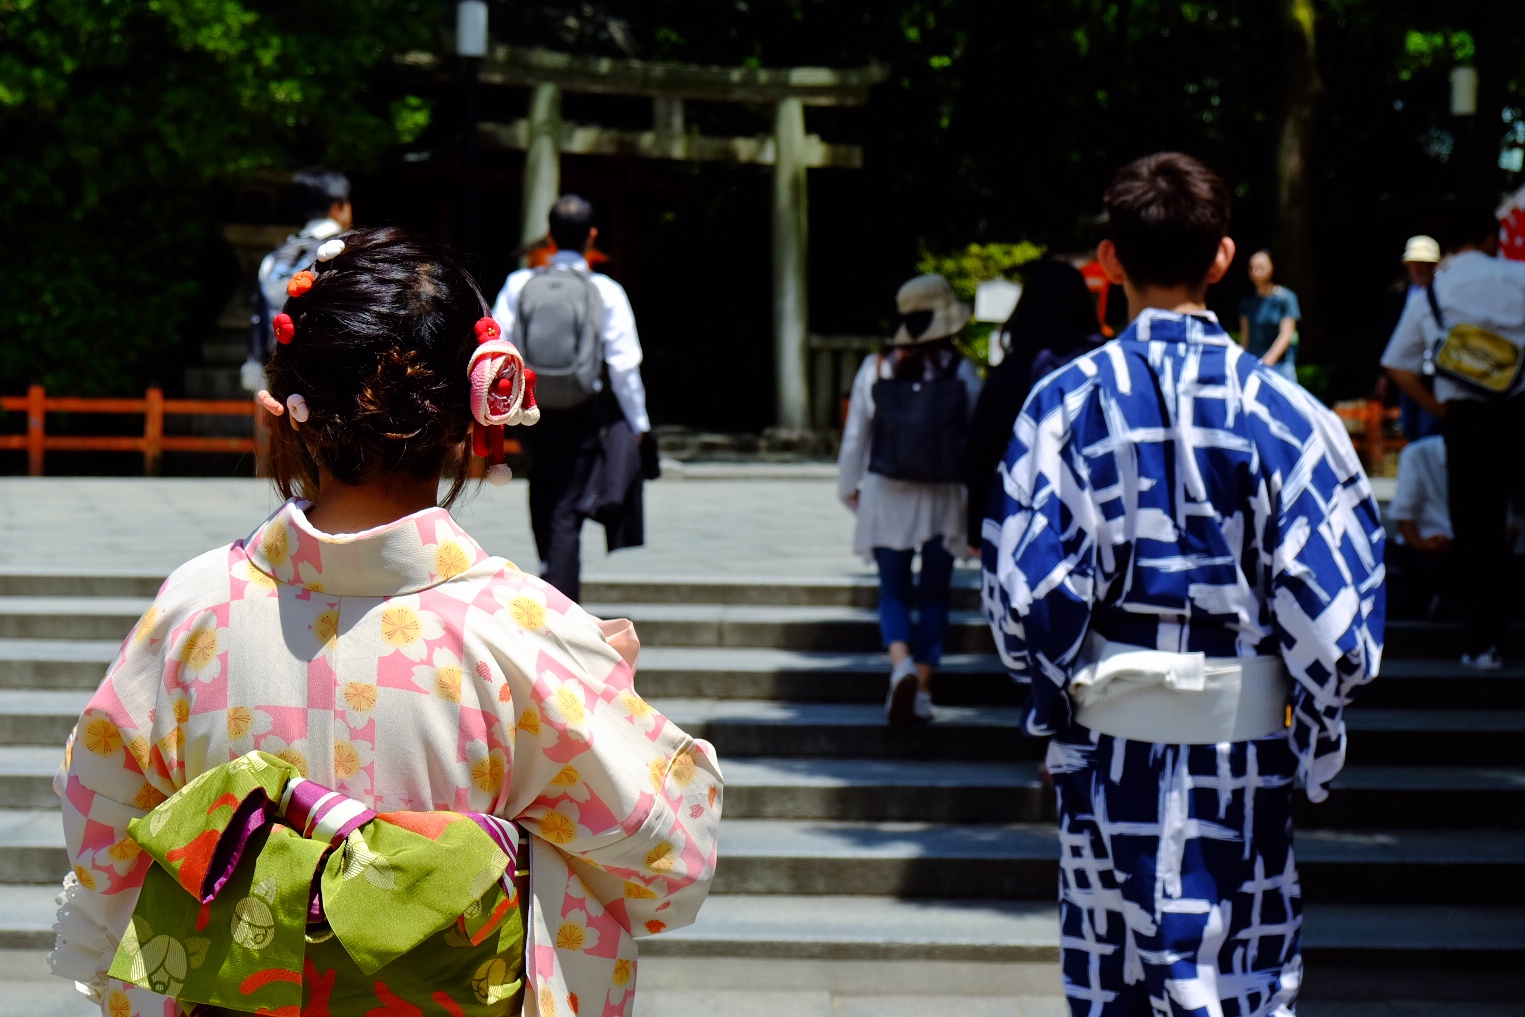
(725, 528)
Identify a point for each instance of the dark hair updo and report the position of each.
(380, 351)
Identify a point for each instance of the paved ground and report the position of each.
(715, 528)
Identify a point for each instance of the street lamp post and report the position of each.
(470, 47)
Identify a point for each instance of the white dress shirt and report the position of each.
(622, 346)
(1472, 288)
(1422, 497)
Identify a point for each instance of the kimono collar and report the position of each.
(411, 554)
(1172, 326)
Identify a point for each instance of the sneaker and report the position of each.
(923, 712)
(1489, 660)
(900, 704)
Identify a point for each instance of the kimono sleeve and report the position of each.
(1327, 594)
(113, 771)
(1039, 557)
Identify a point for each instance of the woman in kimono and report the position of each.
(365, 639)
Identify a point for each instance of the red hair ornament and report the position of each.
(502, 394)
(285, 328)
(300, 283)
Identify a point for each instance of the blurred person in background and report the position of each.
(1268, 318)
(1421, 258)
(1479, 297)
(322, 200)
(1053, 323)
(900, 470)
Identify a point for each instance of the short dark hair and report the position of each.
(1475, 222)
(571, 222)
(1167, 214)
(318, 189)
(380, 352)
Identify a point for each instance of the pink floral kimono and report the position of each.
(408, 669)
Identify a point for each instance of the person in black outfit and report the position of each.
(1053, 323)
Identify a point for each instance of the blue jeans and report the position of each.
(931, 593)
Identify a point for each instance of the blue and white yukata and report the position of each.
(1169, 491)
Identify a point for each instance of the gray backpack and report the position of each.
(559, 328)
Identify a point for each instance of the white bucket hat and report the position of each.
(1421, 248)
(929, 310)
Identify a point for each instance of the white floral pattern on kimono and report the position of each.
(409, 669)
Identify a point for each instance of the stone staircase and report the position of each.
(845, 841)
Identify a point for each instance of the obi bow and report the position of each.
(270, 891)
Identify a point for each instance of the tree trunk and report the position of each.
(1301, 89)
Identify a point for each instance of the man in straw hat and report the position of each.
(1184, 558)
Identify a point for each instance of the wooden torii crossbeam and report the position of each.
(543, 136)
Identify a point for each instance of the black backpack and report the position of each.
(920, 428)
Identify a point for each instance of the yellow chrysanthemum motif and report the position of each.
(124, 850)
(118, 1005)
(102, 737)
(529, 721)
(639, 891)
(487, 773)
(182, 708)
(401, 626)
(240, 719)
(138, 749)
(199, 649)
(360, 696)
(683, 768)
(637, 706)
(276, 545)
(85, 876)
(567, 776)
(527, 612)
(450, 560)
(569, 936)
(447, 683)
(570, 706)
(326, 627)
(547, 1002)
(261, 579)
(148, 797)
(622, 971)
(661, 858)
(658, 770)
(557, 827)
(295, 758)
(346, 760)
(145, 627)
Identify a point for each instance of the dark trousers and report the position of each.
(1484, 467)
(562, 450)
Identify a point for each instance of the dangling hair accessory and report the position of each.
(502, 393)
(285, 328)
(297, 406)
(331, 249)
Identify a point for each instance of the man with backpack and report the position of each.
(322, 197)
(577, 333)
(1472, 321)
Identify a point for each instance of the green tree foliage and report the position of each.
(123, 119)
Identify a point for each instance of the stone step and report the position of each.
(883, 928)
(1021, 862)
(787, 628)
(57, 664)
(70, 617)
(931, 790)
(861, 592)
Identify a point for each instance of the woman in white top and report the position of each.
(899, 470)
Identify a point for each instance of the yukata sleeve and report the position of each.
(1327, 593)
(1038, 553)
(114, 770)
(623, 806)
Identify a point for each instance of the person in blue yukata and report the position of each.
(1183, 558)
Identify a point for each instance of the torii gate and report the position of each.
(543, 136)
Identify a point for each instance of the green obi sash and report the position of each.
(274, 894)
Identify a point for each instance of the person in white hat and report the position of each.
(1421, 259)
(900, 469)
